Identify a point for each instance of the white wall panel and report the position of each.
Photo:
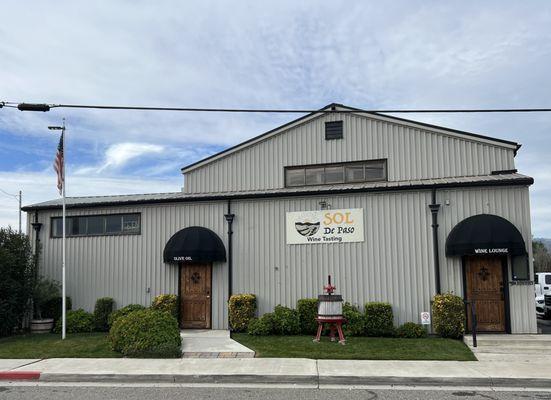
(412, 153)
(394, 263)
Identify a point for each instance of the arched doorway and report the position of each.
(488, 244)
(195, 249)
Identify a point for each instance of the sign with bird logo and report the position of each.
(325, 226)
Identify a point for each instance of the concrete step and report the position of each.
(535, 341)
(511, 342)
(514, 358)
(511, 350)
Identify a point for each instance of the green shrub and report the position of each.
(102, 310)
(379, 320)
(286, 321)
(123, 312)
(17, 272)
(307, 312)
(355, 325)
(411, 330)
(262, 326)
(78, 321)
(242, 308)
(52, 308)
(44, 290)
(167, 303)
(146, 333)
(448, 315)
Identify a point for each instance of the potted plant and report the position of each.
(44, 291)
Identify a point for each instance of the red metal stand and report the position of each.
(335, 324)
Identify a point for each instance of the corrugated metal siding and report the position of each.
(123, 267)
(511, 203)
(393, 264)
(412, 154)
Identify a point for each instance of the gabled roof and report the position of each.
(333, 107)
(499, 178)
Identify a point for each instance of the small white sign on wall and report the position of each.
(425, 318)
(326, 226)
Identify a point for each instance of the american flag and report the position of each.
(58, 165)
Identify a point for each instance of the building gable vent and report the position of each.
(333, 130)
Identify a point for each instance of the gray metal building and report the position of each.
(395, 210)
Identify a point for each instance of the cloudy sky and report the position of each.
(407, 54)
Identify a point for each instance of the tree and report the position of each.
(542, 258)
(17, 272)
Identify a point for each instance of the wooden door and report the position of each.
(484, 278)
(195, 296)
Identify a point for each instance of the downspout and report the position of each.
(36, 226)
(434, 207)
(229, 218)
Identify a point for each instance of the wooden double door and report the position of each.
(485, 285)
(195, 296)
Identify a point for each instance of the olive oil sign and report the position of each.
(325, 226)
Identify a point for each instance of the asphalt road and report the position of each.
(189, 393)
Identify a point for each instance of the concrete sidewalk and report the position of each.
(210, 343)
(287, 371)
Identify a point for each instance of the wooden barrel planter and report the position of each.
(42, 325)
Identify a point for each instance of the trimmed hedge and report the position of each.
(286, 321)
(262, 326)
(448, 315)
(411, 330)
(78, 321)
(307, 312)
(102, 311)
(242, 308)
(355, 325)
(146, 334)
(167, 303)
(123, 312)
(52, 308)
(379, 320)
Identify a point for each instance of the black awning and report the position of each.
(194, 244)
(485, 234)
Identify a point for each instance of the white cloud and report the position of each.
(120, 154)
(279, 54)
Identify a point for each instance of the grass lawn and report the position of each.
(81, 345)
(357, 348)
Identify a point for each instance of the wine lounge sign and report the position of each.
(325, 226)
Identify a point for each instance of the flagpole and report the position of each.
(63, 294)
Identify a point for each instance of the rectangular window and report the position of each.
(97, 225)
(295, 177)
(333, 130)
(334, 174)
(355, 173)
(330, 174)
(314, 176)
(548, 279)
(520, 268)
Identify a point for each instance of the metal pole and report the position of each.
(20, 232)
(63, 294)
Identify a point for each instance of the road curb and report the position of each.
(19, 375)
(180, 378)
(298, 379)
(435, 381)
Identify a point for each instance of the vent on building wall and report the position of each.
(333, 130)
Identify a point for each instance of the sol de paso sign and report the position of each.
(326, 226)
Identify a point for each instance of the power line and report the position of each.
(15, 196)
(47, 106)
